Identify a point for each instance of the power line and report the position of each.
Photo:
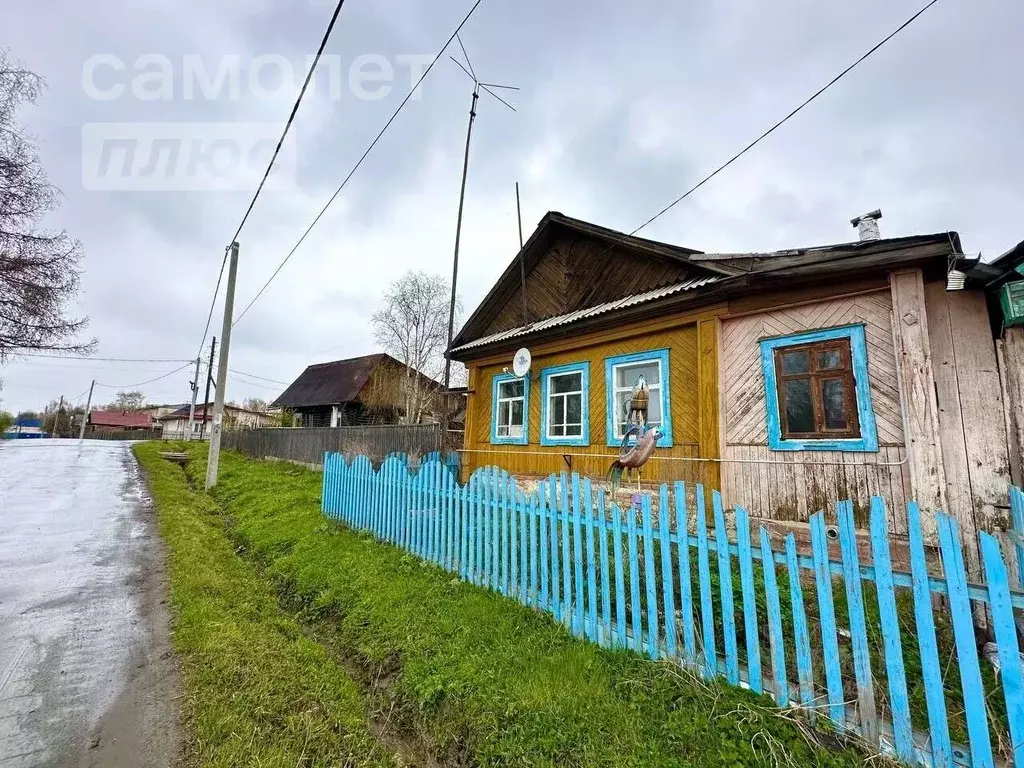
(143, 383)
(359, 162)
(254, 376)
(213, 303)
(270, 165)
(799, 107)
(257, 385)
(107, 359)
(291, 117)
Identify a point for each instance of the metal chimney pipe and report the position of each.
(867, 225)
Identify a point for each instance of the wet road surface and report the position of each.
(87, 677)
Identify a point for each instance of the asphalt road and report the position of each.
(87, 676)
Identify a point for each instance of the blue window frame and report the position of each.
(808, 392)
(621, 374)
(564, 405)
(510, 409)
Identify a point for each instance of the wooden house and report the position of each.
(789, 380)
(372, 389)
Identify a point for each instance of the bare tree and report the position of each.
(128, 402)
(39, 268)
(413, 328)
(255, 404)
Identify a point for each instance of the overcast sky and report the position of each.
(623, 106)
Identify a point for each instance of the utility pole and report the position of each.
(455, 276)
(222, 372)
(522, 256)
(85, 416)
(192, 408)
(206, 397)
(56, 418)
(477, 85)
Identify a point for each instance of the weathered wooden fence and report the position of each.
(840, 634)
(308, 445)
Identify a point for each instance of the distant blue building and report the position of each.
(23, 429)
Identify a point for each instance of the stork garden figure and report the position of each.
(633, 458)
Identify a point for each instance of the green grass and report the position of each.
(475, 678)
(256, 691)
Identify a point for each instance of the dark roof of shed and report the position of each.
(339, 381)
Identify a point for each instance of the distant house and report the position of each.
(119, 421)
(372, 389)
(25, 428)
(175, 423)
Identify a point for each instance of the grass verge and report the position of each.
(257, 691)
(476, 678)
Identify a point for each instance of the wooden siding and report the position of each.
(535, 459)
(972, 426)
(579, 272)
(792, 486)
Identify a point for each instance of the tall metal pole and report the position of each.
(56, 419)
(195, 393)
(85, 416)
(522, 256)
(206, 397)
(222, 372)
(455, 273)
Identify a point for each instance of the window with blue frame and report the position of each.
(621, 375)
(564, 404)
(510, 409)
(817, 391)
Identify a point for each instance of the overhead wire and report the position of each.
(143, 383)
(270, 165)
(779, 123)
(358, 163)
(254, 376)
(107, 359)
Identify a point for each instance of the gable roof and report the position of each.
(139, 419)
(733, 274)
(551, 226)
(201, 412)
(334, 383)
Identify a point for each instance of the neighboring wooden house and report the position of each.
(119, 421)
(175, 423)
(372, 389)
(789, 380)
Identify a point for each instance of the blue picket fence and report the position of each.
(654, 576)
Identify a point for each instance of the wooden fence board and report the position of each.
(549, 548)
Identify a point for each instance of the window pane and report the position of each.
(834, 399)
(569, 382)
(516, 430)
(574, 409)
(654, 409)
(799, 411)
(626, 375)
(574, 430)
(557, 410)
(557, 430)
(517, 412)
(511, 388)
(502, 413)
(830, 359)
(796, 362)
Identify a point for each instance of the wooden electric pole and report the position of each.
(222, 372)
(206, 397)
(85, 416)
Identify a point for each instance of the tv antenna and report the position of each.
(478, 85)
